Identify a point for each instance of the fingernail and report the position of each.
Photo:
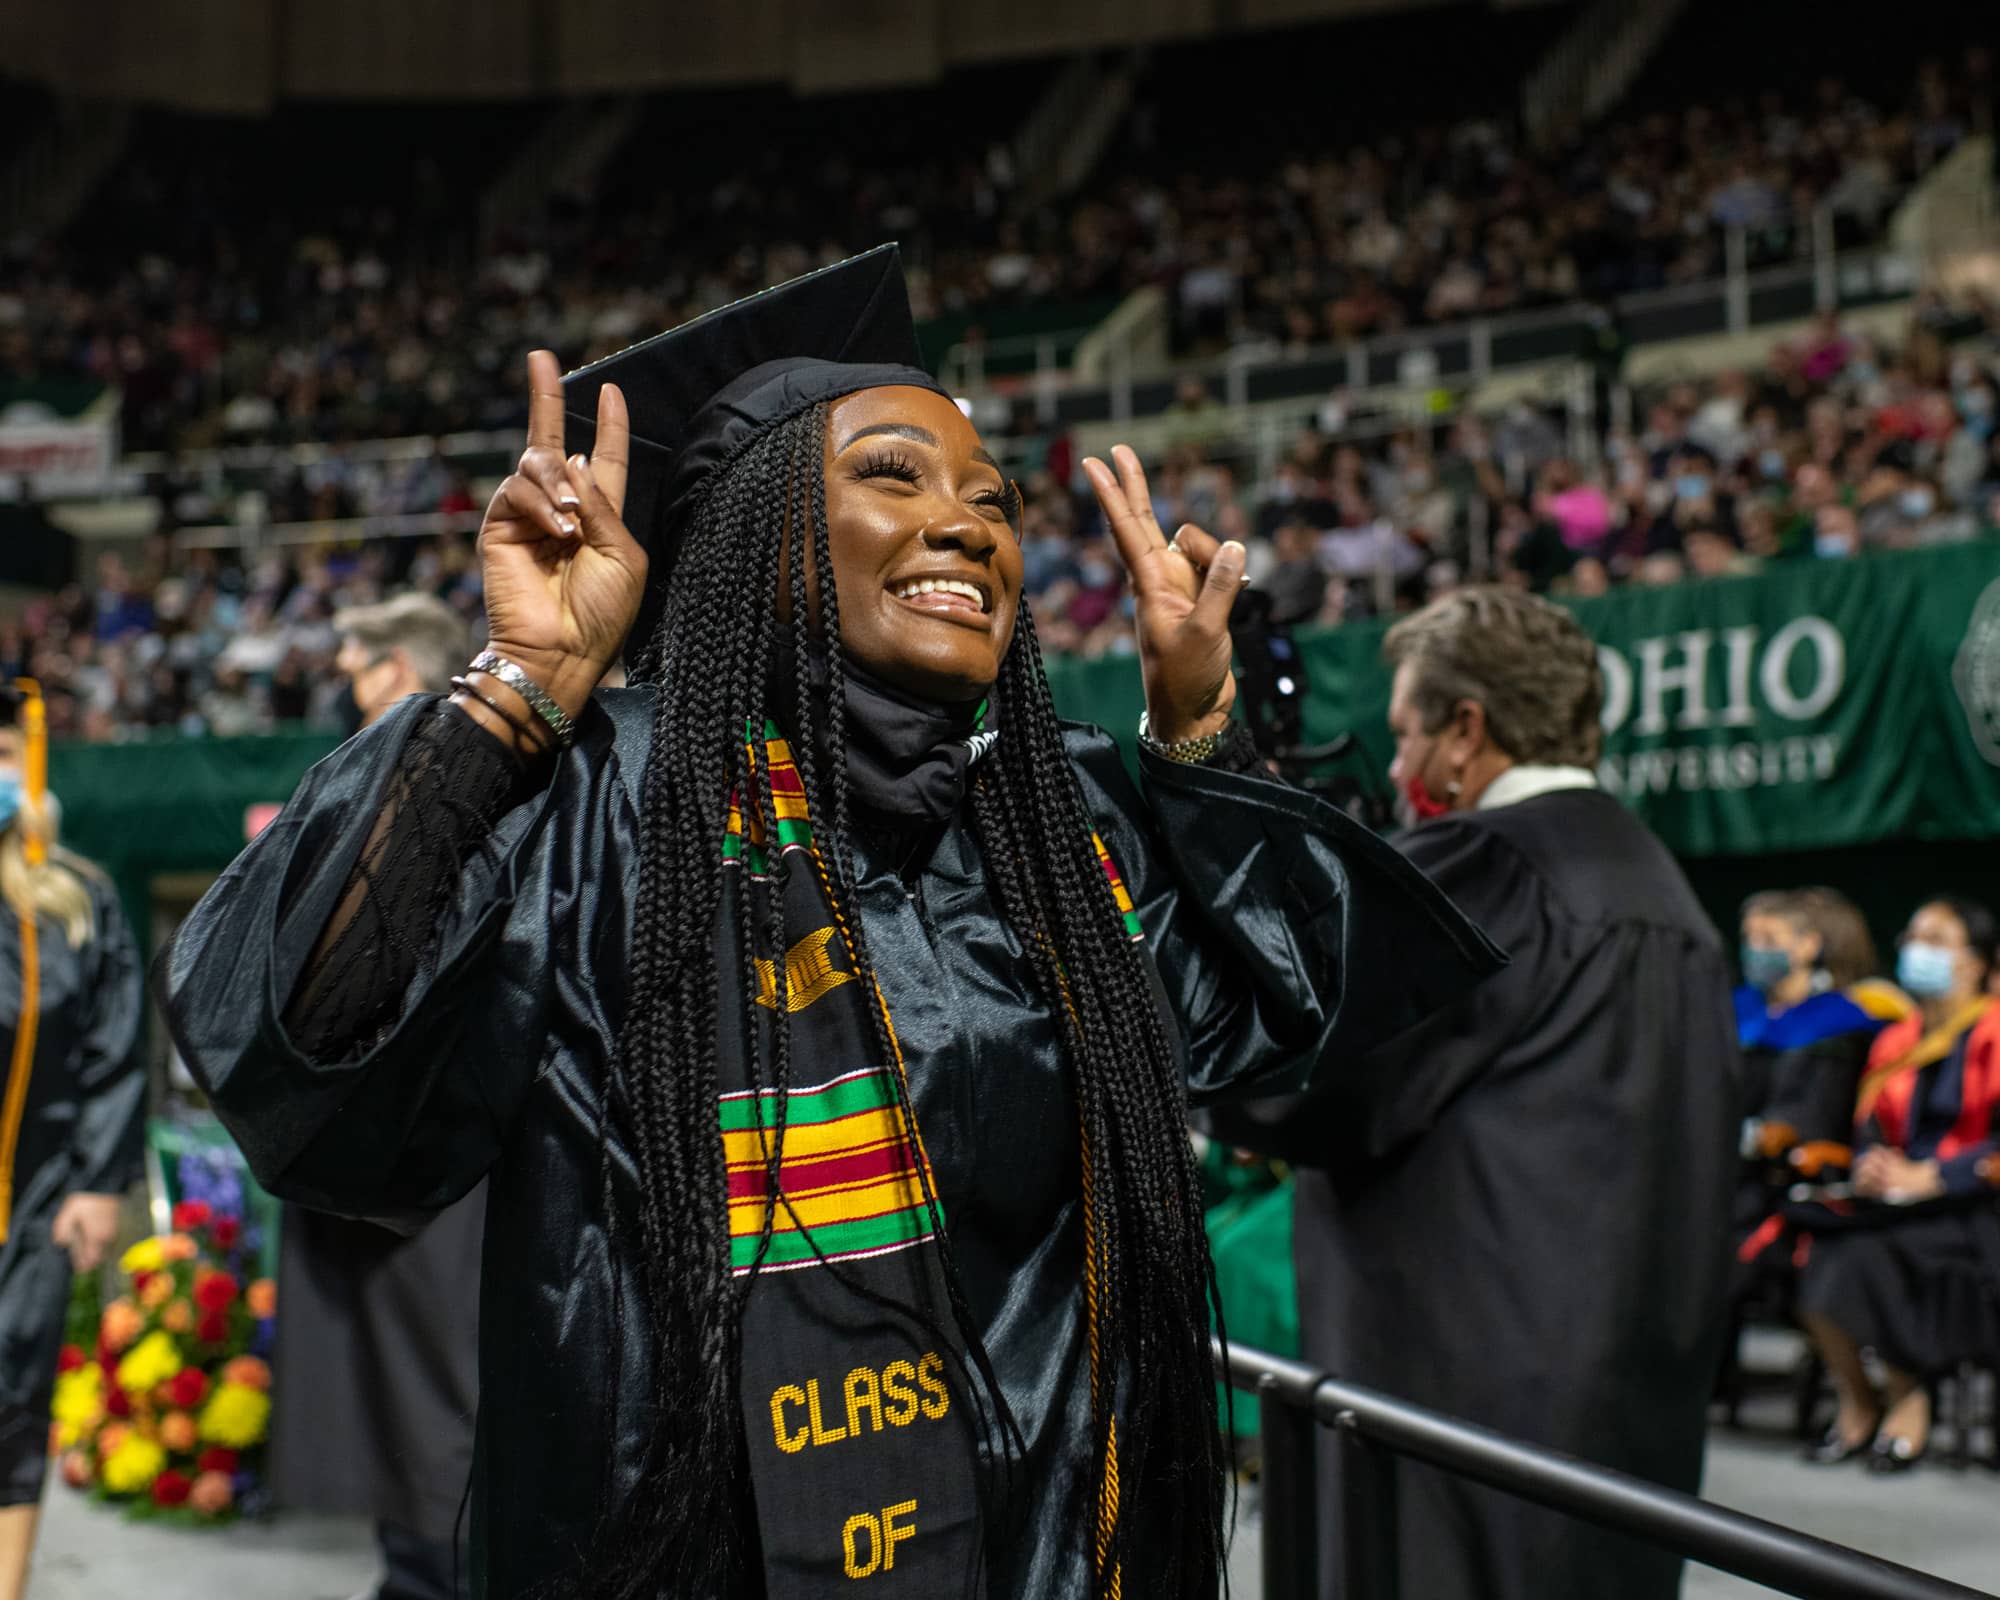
(578, 463)
(1231, 552)
(567, 524)
(569, 500)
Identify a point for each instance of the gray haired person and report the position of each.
(1518, 1211)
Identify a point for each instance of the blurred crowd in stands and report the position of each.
(318, 288)
(268, 316)
(1836, 445)
(1461, 221)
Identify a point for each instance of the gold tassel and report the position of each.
(34, 768)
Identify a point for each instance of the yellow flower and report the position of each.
(235, 1416)
(133, 1465)
(151, 1362)
(148, 1255)
(79, 1401)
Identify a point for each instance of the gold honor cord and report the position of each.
(34, 785)
(22, 1068)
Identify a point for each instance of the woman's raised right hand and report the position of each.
(562, 575)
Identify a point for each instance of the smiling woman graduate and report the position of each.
(823, 1010)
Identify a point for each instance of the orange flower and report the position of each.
(122, 1324)
(177, 1247)
(157, 1291)
(111, 1436)
(211, 1494)
(177, 1316)
(177, 1432)
(247, 1370)
(76, 1469)
(262, 1299)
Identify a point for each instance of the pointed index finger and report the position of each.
(545, 403)
(611, 455)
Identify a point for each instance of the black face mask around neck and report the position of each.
(907, 757)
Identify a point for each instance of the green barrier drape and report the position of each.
(1820, 706)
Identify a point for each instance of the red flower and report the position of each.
(216, 1459)
(170, 1488)
(140, 1280)
(213, 1327)
(118, 1402)
(226, 1233)
(192, 1214)
(70, 1359)
(187, 1388)
(215, 1292)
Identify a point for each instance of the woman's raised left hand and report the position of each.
(1185, 589)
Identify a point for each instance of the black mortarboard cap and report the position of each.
(699, 393)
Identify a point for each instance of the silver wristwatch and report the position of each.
(498, 667)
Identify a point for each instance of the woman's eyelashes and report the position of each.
(898, 468)
(888, 464)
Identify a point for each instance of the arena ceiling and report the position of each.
(245, 55)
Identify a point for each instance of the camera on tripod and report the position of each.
(1271, 685)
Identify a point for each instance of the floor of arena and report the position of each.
(1936, 1519)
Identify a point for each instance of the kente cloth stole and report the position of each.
(864, 1428)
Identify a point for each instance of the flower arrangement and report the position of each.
(167, 1410)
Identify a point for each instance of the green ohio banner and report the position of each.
(1821, 705)
(1828, 704)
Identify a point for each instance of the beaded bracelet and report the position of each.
(534, 735)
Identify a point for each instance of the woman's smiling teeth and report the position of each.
(947, 590)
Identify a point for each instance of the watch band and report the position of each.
(1193, 751)
(498, 667)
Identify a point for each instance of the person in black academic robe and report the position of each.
(72, 1115)
(376, 1366)
(1910, 1266)
(1806, 1016)
(508, 890)
(1517, 1213)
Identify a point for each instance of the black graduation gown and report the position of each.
(82, 1132)
(1270, 919)
(1802, 1069)
(377, 1367)
(1518, 1213)
(1920, 1285)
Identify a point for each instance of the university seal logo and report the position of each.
(1976, 673)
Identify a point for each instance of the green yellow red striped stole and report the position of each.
(863, 1432)
(848, 1174)
(1119, 892)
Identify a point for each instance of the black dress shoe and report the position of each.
(1832, 1449)
(1889, 1454)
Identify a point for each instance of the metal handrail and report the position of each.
(1374, 1428)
